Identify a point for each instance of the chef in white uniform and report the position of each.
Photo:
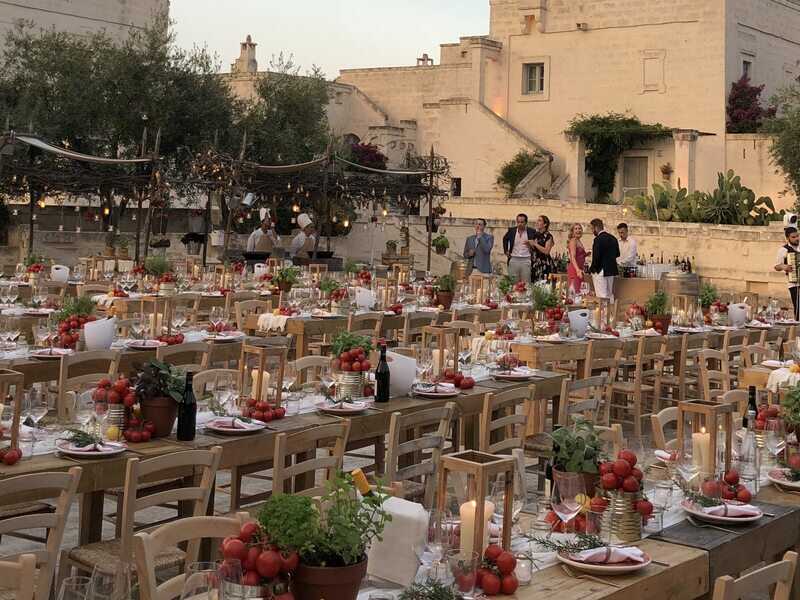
(303, 243)
(263, 239)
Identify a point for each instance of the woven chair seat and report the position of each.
(629, 387)
(105, 556)
(413, 490)
(24, 508)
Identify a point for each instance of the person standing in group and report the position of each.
(517, 247)
(303, 243)
(792, 246)
(577, 258)
(264, 239)
(542, 245)
(605, 251)
(628, 248)
(478, 248)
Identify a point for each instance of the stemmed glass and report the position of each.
(74, 588)
(13, 293)
(775, 437)
(138, 324)
(498, 499)
(4, 291)
(424, 365)
(202, 581)
(216, 317)
(432, 550)
(110, 586)
(84, 408)
(19, 273)
(564, 498)
(178, 318)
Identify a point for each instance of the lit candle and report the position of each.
(468, 515)
(264, 384)
(701, 451)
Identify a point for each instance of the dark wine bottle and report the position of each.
(382, 377)
(187, 412)
(752, 405)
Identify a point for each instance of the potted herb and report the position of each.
(193, 241)
(543, 297)
(159, 389)
(286, 278)
(790, 405)
(440, 243)
(576, 449)
(708, 295)
(657, 313)
(391, 247)
(445, 286)
(332, 545)
(122, 247)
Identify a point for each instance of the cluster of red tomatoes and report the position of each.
(261, 562)
(262, 411)
(171, 340)
(138, 431)
(622, 474)
(766, 411)
(457, 379)
(727, 488)
(365, 277)
(9, 455)
(496, 575)
(220, 327)
(554, 314)
(396, 308)
(118, 392)
(35, 268)
(70, 330)
(354, 359)
(286, 311)
(167, 278)
(490, 304)
(504, 332)
(119, 293)
(338, 294)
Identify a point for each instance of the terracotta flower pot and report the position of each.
(285, 286)
(440, 249)
(445, 299)
(661, 323)
(328, 583)
(161, 412)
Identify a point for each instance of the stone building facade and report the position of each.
(116, 17)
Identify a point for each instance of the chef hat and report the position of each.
(263, 213)
(303, 220)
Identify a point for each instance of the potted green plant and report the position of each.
(790, 408)
(445, 287)
(122, 247)
(657, 312)
(576, 449)
(159, 389)
(331, 541)
(391, 247)
(286, 278)
(440, 244)
(708, 295)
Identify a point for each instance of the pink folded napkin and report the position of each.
(103, 447)
(610, 555)
(732, 510)
(233, 423)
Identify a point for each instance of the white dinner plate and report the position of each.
(224, 337)
(719, 520)
(52, 353)
(65, 447)
(613, 569)
(217, 426)
(144, 344)
(442, 394)
(347, 408)
(510, 376)
(778, 476)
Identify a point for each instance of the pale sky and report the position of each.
(333, 34)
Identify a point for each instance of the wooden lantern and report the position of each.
(480, 469)
(11, 391)
(707, 419)
(439, 333)
(262, 355)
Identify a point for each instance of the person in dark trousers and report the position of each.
(792, 246)
(605, 251)
(517, 246)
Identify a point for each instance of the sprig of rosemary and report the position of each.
(582, 541)
(82, 438)
(430, 589)
(701, 499)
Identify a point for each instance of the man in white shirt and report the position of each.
(517, 247)
(628, 249)
(782, 263)
(303, 243)
(263, 239)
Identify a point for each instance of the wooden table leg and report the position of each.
(91, 517)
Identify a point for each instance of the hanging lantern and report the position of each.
(106, 211)
(384, 212)
(335, 219)
(15, 212)
(133, 217)
(42, 202)
(78, 229)
(346, 223)
(296, 207)
(96, 218)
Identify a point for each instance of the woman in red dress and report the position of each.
(577, 258)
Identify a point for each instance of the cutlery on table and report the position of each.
(571, 573)
(708, 526)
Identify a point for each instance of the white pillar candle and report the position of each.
(701, 451)
(468, 515)
(264, 384)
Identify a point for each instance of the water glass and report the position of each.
(110, 586)
(464, 571)
(74, 588)
(202, 582)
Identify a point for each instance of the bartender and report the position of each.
(782, 264)
(263, 239)
(303, 243)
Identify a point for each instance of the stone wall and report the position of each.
(748, 154)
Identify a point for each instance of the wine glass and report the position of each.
(178, 317)
(115, 585)
(216, 316)
(775, 436)
(13, 294)
(138, 324)
(202, 581)
(498, 499)
(424, 365)
(84, 408)
(564, 497)
(432, 549)
(74, 588)
(19, 272)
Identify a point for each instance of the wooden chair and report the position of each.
(189, 302)
(503, 419)
(139, 495)
(148, 547)
(469, 313)
(234, 298)
(634, 390)
(465, 331)
(582, 397)
(368, 323)
(715, 374)
(190, 356)
(41, 486)
(612, 438)
(202, 379)
(19, 577)
(247, 308)
(419, 449)
(296, 457)
(733, 344)
(657, 423)
(779, 574)
(739, 398)
(678, 380)
(754, 354)
(409, 351)
(309, 368)
(80, 369)
(413, 325)
(92, 289)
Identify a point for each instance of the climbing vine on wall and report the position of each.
(606, 138)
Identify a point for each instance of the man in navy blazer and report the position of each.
(605, 250)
